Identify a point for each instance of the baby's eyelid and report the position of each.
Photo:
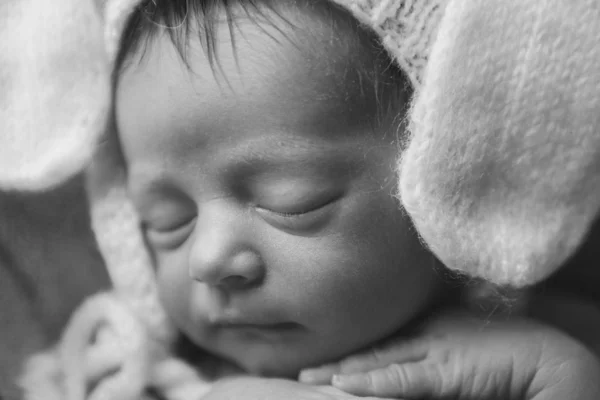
(169, 227)
(293, 214)
(171, 238)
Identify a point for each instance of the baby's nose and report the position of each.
(236, 271)
(222, 253)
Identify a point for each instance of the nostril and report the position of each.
(235, 282)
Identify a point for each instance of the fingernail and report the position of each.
(349, 381)
(312, 376)
(305, 376)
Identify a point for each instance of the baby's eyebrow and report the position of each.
(249, 160)
(290, 157)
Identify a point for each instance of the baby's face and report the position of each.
(266, 194)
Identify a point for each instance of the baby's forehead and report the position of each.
(307, 46)
(319, 57)
(287, 72)
(322, 69)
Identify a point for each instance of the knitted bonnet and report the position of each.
(501, 174)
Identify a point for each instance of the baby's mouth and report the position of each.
(280, 326)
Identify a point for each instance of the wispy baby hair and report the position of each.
(179, 18)
(379, 78)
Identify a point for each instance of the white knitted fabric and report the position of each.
(129, 265)
(55, 90)
(407, 28)
(502, 175)
(127, 330)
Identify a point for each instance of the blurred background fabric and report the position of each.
(48, 264)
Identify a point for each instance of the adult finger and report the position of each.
(320, 375)
(398, 351)
(411, 380)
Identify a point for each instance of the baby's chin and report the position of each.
(274, 362)
(270, 364)
(271, 354)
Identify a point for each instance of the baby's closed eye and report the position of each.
(169, 235)
(308, 215)
(301, 204)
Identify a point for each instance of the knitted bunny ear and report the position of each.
(55, 66)
(502, 176)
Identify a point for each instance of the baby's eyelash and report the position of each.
(295, 214)
(171, 228)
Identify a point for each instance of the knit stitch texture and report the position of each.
(502, 176)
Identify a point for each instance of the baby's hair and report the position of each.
(378, 75)
(179, 18)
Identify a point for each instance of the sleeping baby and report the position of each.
(261, 143)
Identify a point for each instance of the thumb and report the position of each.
(411, 380)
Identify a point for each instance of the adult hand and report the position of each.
(461, 357)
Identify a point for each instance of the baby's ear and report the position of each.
(502, 175)
(56, 60)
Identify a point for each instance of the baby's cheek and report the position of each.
(174, 288)
(387, 275)
(345, 287)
